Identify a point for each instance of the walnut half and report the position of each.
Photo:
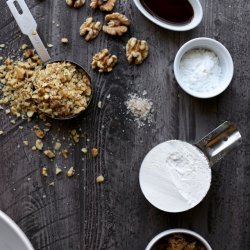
(75, 3)
(136, 50)
(103, 5)
(104, 61)
(90, 29)
(117, 24)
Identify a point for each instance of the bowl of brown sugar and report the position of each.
(178, 239)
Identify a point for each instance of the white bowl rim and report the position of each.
(178, 230)
(183, 50)
(165, 25)
(16, 229)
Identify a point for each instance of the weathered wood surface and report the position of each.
(79, 214)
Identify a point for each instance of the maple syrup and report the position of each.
(175, 12)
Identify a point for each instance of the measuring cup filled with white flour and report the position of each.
(175, 175)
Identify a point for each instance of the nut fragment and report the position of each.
(104, 61)
(57, 146)
(49, 154)
(100, 179)
(84, 150)
(39, 144)
(58, 170)
(44, 171)
(117, 24)
(39, 132)
(75, 3)
(136, 50)
(26, 143)
(90, 29)
(1, 132)
(65, 153)
(28, 53)
(103, 5)
(64, 40)
(71, 172)
(94, 152)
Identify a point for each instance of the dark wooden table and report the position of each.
(79, 214)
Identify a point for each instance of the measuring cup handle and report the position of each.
(220, 142)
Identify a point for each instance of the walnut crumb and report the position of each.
(104, 61)
(49, 45)
(71, 172)
(90, 29)
(26, 143)
(64, 40)
(136, 50)
(100, 179)
(34, 33)
(44, 171)
(57, 146)
(84, 150)
(99, 104)
(94, 152)
(39, 144)
(117, 24)
(24, 46)
(39, 132)
(65, 153)
(103, 5)
(1, 132)
(75, 3)
(34, 148)
(58, 170)
(49, 154)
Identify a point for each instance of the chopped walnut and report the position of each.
(34, 148)
(44, 171)
(58, 170)
(94, 152)
(100, 179)
(49, 154)
(39, 132)
(26, 143)
(136, 50)
(57, 146)
(90, 29)
(103, 5)
(64, 40)
(39, 144)
(117, 24)
(65, 153)
(84, 150)
(104, 61)
(28, 53)
(71, 172)
(75, 3)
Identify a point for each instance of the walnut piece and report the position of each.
(94, 152)
(103, 5)
(71, 172)
(104, 61)
(100, 179)
(65, 153)
(39, 144)
(39, 132)
(44, 172)
(136, 50)
(117, 24)
(49, 154)
(75, 3)
(90, 29)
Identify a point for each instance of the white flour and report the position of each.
(175, 176)
(200, 70)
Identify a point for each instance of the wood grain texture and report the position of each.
(77, 213)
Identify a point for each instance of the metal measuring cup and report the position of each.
(28, 26)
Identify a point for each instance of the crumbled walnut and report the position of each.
(49, 45)
(39, 132)
(99, 104)
(75, 3)
(104, 61)
(26, 143)
(103, 5)
(24, 46)
(64, 40)
(30, 114)
(90, 29)
(44, 171)
(49, 154)
(61, 90)
(1, 132)
(136, 50)
(65, 153)
(94, 152)
(117, 24)
(39, 144)
(57, 146)
(34, 148)
(71, 172)
(2, 46)
(58, 170)
(100, 179)
(52, 184)
(20, 73)
(84, 150)
(48, 124)
(28, 53)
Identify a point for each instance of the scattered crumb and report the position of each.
(39, 144)
(100, 179)
(7, 111)
(26, 143)
(49, 154)
(1, 58)
(108, 96)
(57, 25)
(28, 179)
(65, 153)
(50, 45)
(20, 127)
(44, 196)
(58, 170)
(13, 122)
(144, 93)
(34, 148)
(57, 146)
(52, 184)
(2, 46)
(24, 46)
(71, 172)
(1, 132)
(39, 132)
(44, 171)
(99, 105)
(94, 152)
(84, 150)
(64, 40)
(48, 124)
(34, 33)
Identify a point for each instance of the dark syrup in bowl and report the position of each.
(174, 12)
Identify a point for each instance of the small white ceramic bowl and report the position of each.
(198, 14)
(11, 236)
(224, 58)
(177, 231)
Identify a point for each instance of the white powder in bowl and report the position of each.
(200, 70)
(175, 176)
